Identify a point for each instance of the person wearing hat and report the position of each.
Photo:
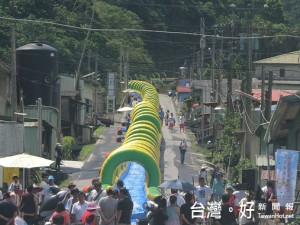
(88, 216)
(124, 208)
(58, 156)
(95, 195)
(218, 187)
(46, 192)
(36, 191)
(79, 208)
(51, 181)
(108, 208)
(15, 182)
(203, 173)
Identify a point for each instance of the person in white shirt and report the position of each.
(171, 121)
(72, 200)
(203, 193)
(240, 194)
(180, 200)
(15, 182)
(203, 172)
(15, 195)
(95, 195)
(46, 192)
(182, 148)
(181, 123)
(134, 102)
(79, 208)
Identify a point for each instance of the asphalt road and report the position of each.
(83, 172)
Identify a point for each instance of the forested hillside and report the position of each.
(159, 35)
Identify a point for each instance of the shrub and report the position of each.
(236, 171)
(68, 142)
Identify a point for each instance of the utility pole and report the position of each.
(229, 78)
(248, 81)
(268, 115)
(249, 72)
(77, 75)
(202, 46)
(40, 125)
(213, 89)
(13, 74)
(198, 66)
(89, 60)
(269, 97)
(213, 66)
(220, 70)
(95, 88)
(262, 101)
(126, 68)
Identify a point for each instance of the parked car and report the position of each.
(106, 121)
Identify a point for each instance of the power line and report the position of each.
(142, 30)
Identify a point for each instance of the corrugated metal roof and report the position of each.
(276, 94)
(181, 89)
(288, 58)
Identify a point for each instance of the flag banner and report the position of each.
(286, 175)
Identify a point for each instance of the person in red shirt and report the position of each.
(60, 210)
(88, 216)
(233, 201)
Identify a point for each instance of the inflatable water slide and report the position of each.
(141, 142)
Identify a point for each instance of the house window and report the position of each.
(282, 73)
(87, 106)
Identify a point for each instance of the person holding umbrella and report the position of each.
(179, 200)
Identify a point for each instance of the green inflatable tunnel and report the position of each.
(141, 143)
(124, 155)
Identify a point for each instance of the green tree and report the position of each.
(229, 152)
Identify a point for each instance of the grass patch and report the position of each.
(85, 151)
(65, 183)
(198, 149)
(98, 131)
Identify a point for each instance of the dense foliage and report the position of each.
(68, 143)
(229, 150)
(133, 25)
